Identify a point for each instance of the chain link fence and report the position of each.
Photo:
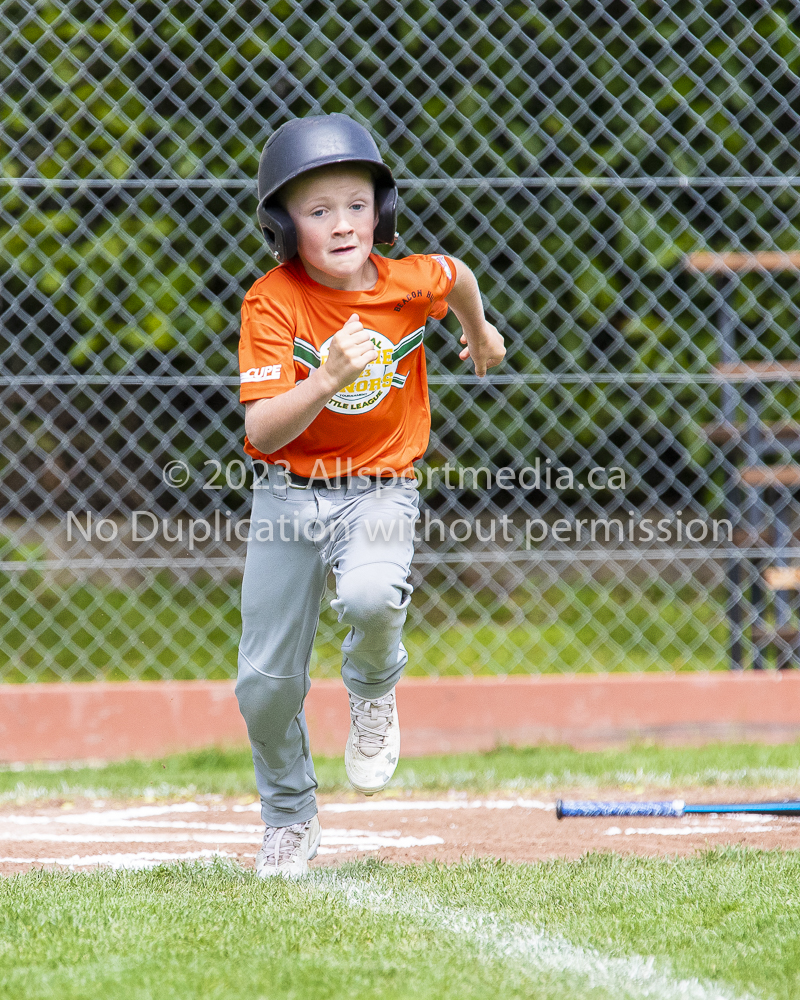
(621, 494)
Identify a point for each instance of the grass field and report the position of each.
(722, 923)
(230, 772)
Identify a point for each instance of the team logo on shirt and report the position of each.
(263, 374)
(365, 392)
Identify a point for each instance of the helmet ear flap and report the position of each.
(386, 204)
(279, 232)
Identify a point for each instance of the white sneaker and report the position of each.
(373, 746)
(286, 850)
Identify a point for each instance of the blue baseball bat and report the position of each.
(675, 808)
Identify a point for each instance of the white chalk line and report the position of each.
(136, 812)
(682, 831)
(631, 978)
(128, 838)
(140, 816)
(355, 839)
(335, 841)
(139, 825)
(134, 862)
(98, 819)
(447, 805)
(150, 859)
(400, 805)
(752, 823)
(343, 839)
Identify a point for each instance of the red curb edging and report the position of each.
(108, 721)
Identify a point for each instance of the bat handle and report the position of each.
(567, 808)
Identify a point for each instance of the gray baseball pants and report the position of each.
(364, 532)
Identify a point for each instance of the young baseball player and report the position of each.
(333, 380)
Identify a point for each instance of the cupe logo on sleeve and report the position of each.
(263, 374)
(374, 382)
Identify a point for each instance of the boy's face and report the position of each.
(333, 210)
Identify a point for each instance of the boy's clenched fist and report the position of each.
(351, 350)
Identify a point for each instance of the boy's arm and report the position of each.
(485, 344)
(272, 423)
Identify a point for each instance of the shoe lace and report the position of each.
(280, 842)
(371, 720)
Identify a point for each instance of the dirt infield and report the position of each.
(84, 833)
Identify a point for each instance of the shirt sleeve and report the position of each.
(266, 347)
(444, 277)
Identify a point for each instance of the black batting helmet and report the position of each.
(304, 144)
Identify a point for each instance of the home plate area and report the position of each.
(85, 833)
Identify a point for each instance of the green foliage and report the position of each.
(129, 139)
(138, 273)
(78, 631)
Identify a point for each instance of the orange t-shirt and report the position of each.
(380, 423)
